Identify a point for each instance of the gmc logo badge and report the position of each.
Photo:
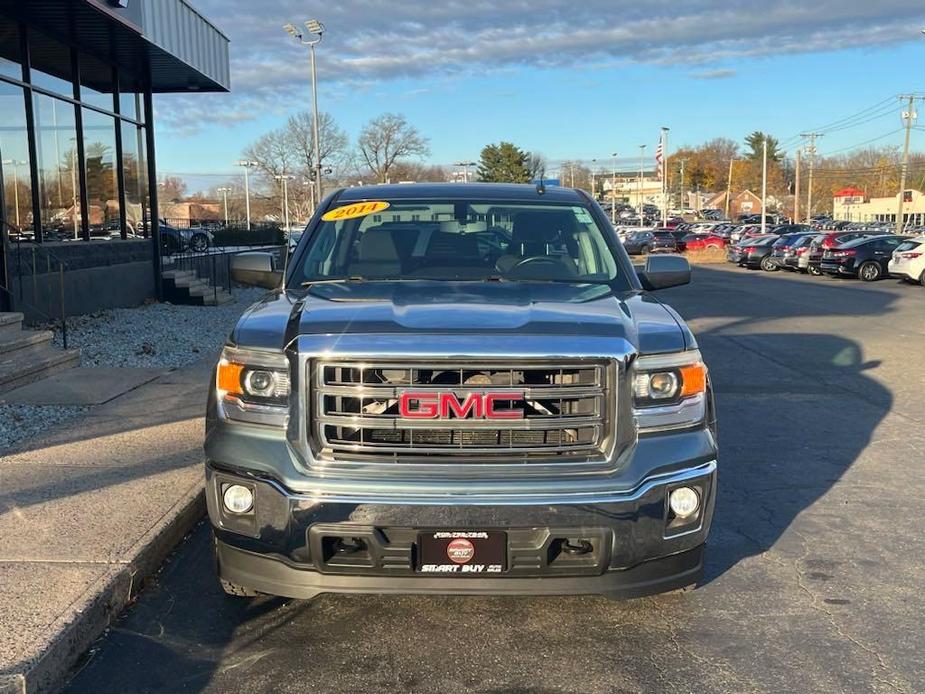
(444, 405)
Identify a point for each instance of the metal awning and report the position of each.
(164, 44)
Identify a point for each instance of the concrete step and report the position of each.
(27, 341)
(18, 371)
(222, 299)
(190, 282)
(204, 290)
(178, 274)
(10, 325)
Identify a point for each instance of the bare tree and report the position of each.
(536, 165)
(388, 138)
(274, 154)
(332, 140)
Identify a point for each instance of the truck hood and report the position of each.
(489, 308)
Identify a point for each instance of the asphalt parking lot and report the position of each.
(814, 567)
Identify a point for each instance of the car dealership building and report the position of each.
(77, 142)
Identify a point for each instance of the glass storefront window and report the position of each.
(135, 174)
(103, 211)
(51, 66)
(14, 158)
(58, 181)
(129, 98)
(10, 59)
(96, 84)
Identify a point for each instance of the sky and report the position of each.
(571, 80)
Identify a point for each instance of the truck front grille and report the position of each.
(546, 409)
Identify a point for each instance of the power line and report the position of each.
(861, 144)
(836, 124)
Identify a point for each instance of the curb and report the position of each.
(104, 601)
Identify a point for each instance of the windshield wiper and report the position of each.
(334, 280)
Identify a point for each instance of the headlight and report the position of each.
(253, 386)
(669, 391)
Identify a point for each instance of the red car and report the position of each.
(701, 242)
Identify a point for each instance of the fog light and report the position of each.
(684, 501)
(238, 499)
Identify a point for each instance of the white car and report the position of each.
(908, 261)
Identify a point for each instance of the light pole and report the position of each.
(15, 163)
(764, 184)
(315, 28)
(663, 173)
(285, 178)
(247, 191)
(613, 189)
(224, 192)
(642, 164)
(465, 165)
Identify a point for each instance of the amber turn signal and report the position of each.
(693, 380)
(228, 377)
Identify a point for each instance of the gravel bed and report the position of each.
(154, 335)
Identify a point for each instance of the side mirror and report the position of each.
(257, 268)
(663, 271)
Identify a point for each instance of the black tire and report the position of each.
(767, 265)
(922, 278)
(237, 591)
(644, 250)
(815, 271)
(870, 271)
(199, 243)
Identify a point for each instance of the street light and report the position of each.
(314, 28)
(465, 165)
(224, 192)
(593, 164)
(285, 178)
(613, 189)
(642, 164)
(247, 191)
(15, 163)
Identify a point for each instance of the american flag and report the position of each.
(659, 154)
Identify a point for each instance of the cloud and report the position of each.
(719, 74)
(371, 42)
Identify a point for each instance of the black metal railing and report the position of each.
(27, 261)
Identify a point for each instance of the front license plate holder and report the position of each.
(457, 553)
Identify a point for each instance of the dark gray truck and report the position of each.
(462, 389)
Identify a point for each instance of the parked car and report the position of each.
(908, 261)
(702, 242)
(642, 242)
(756, 252)
(747, 231)
(176, 240)
(384, 340)
(867, 258)
(804, 249)
(674, 222)
(783, 255)
(831, 240)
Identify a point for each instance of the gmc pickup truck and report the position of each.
(463, 389)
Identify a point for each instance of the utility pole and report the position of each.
(764, 184)
(285, 178)
(593, 164)
(811, 151)
(728, 188)
(683, 194)
(796, 190)
(909, 115)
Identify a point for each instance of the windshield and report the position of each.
(457, 240)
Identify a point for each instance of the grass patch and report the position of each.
(708, 256)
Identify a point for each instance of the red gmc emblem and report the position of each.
(424, 405)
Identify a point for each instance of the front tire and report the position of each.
(870, 271)
(199, 243)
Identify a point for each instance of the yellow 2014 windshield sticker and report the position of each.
(357, 209)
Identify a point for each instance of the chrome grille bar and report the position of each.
(355, 408)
